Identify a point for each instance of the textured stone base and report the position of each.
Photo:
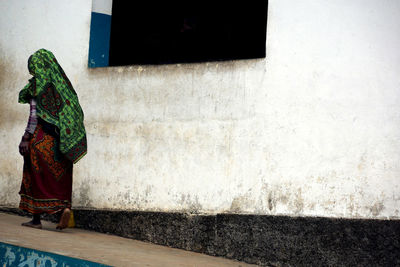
(263, 240)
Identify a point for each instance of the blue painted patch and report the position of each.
(99, 44)
(11, 255)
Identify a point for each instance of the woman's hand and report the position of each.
(24, 144)
(23, 147)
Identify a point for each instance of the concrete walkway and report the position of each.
(101, 248)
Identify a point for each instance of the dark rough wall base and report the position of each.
(263, 240)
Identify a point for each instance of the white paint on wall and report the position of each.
(312, 130)
(102, 6)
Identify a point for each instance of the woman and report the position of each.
(54, 139)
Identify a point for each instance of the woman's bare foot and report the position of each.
(32, 225)
(64, 219)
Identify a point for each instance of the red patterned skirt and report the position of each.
(47, 177)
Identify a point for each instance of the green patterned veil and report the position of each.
(57, 102)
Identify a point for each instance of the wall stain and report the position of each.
(242, 203)
(237, 203)
(83, 194)
(11, 82)
(276, 196)
(192, 203)
(271, 201)
(362, 164)
(9, 185)
(298, 202)
(377, 208)
(350, 204)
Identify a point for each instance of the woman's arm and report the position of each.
(32, 122)
(30, 129)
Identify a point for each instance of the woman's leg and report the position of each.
(35, 222)
(36, 219)
(64, 219)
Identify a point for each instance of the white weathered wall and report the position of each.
(312, 130)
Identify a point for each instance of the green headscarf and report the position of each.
(57, 102)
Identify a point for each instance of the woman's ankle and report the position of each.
(36, 219)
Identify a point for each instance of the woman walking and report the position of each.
(54, 139)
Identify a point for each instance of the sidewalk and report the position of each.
(101, 248)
